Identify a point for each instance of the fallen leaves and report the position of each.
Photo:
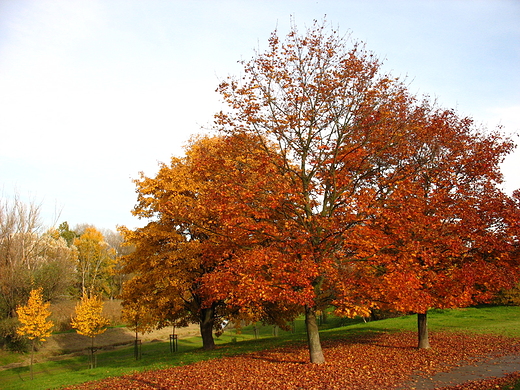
(375, 361)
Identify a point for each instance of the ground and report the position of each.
(62, 345)
(377, 361)
(497, 367)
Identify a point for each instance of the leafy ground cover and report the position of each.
(366, 361)
(361, 341)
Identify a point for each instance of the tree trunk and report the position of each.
(136, 344)
(324, 317)
(206, 328)
(32, 358)
(92, 353)
(313, 336)
(422, 328)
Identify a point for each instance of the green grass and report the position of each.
(53, 374)
(514, 386)
(8, 358)
(502, 320)
(157, 355)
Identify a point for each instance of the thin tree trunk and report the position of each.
(313, 336)
(422, 330)
(324, 316)
(136, 344)
(92, 353)
(32, 359)
(206, 328)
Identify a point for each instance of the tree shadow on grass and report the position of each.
(277, 359)
(373, 337)
(73, 342)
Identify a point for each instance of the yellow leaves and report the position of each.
(89, 320)
(140, 318)
(353, 311)
(33, 317)
(95, 261)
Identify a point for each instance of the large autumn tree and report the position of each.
(167, 262)
(186, 238)
(448, 233)
(347, 137)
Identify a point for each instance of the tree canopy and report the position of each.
(95, 262)
(186, 240)
(33, 317)
(88, 317)
(329, 184)
(360, 150)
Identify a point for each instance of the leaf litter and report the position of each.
(373, 361)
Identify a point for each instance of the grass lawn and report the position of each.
(73, 370)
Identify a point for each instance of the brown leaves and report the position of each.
(376, 361)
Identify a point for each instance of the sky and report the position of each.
(93, 92)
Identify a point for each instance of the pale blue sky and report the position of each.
(92, 92)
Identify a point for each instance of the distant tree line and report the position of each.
(64, 263)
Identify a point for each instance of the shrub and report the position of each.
(509, 297)
(9, 339)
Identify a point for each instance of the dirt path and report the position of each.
(72, 342)
(62, 345)
(496, 367)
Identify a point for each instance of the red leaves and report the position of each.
(377, 361)
(331, 182)
(381, 189)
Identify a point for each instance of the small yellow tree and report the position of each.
(33, 317)
(89, 320)
(140, 319)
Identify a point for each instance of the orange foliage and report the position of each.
(88, 319)
(450, 231)
(331, 184)
(382, 198)
(188, 236)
